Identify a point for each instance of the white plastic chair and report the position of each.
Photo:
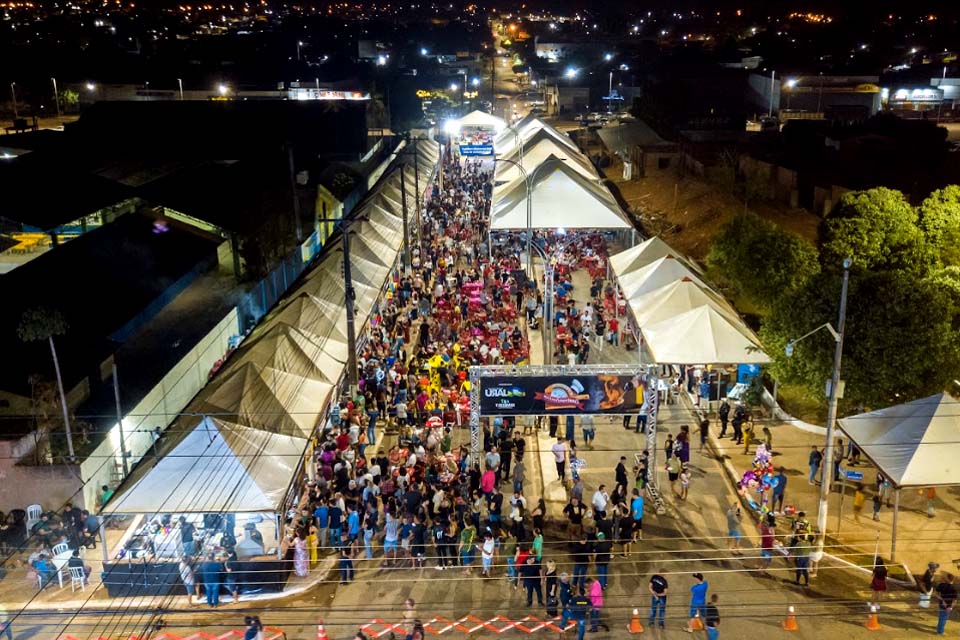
(34, 512)
(78, 577)
(60, 548)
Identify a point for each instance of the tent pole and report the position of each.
(103, 538)
(893, 537)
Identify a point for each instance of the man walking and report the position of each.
(724, 413)
(733, 528)
(579, 608)
(658, 597)
(813, 461)
(778, 491)
(560, 458)
(947, 595)
(589, 430)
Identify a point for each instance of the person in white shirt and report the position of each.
(560, 458)
(601, 499)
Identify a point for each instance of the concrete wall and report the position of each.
(48, 485)
(784, 185)
(158, 408)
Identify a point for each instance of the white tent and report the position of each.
(218, 467)
(268, 399)
(480, 120)
(511, 137)
(916, 444)
(703, 336)
(660, 272)
(644, 253)
(535, 153)
(562, 198)
(675, 298)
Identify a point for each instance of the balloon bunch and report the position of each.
(760, 479)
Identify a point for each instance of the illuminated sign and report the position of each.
(325, 94)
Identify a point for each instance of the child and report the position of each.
(859, 498)
(684, 481)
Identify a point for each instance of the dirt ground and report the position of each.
(687, 211)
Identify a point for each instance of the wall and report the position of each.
(158, 408)
(48, 485)
(785, 186)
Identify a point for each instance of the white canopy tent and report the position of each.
(511, 137)
(674, 299)
(646, 252)
(562, 198)
(660, 272)
(915, 444)
(705, 336)
(218, 467)
(535, 153)
(480, 120)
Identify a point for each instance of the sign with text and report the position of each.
(548, 395)
(476, 149)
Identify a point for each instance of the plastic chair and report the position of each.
(78, 577)
(60, 548)
(34, 512)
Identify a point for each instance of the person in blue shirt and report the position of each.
(698, 599)
(321, 517)
(335, 513)
(636, 512)
(353, 525)
(211, 571)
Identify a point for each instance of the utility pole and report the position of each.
(13, 96)
(298, 225)
(180, 86)
(773, 82)
(123, 440)
(406, 222)
(56, 98)
(827, 464)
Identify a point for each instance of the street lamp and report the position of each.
(13, 96)
(223, 89)
(453, 86)
(299, 44)
(571, 72)
(837, 334)
(56, 97)
(424, 51)
(475, 82)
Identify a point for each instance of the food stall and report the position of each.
(226, 485)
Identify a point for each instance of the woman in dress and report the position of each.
(313, 543)
(301, 560)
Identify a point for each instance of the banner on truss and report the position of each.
(512, 395)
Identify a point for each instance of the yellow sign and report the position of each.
(866, 88)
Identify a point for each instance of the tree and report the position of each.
(41, 323)
(940, 222)
(878, 229)
(901, 340)
(760, 260)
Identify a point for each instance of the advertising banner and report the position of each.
(476, 149)
(548, 395)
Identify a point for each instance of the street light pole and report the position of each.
(180, 86)
(13, 96)
(353, 375)
(832, 408)
(827, 460)
(56, 98)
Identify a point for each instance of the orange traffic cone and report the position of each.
(873, 622)
(790, 622)
(635, 626)
(321, 632)
(695, 624)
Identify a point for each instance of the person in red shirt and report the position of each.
(613, 326)
(766, 543)
(343, 441)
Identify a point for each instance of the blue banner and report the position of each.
(476, 149)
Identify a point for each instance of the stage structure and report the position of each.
(545, 390)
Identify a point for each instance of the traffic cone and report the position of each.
(790, 622)
(873, 622)
(635, 626)
(321, 632)
(695, 624)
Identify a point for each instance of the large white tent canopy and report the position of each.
(561, 198)
(702, 335)
(260, 411)
(219, 467)
(681, 318)
(535, 154)
(481, 120)
(916, 444)
(525, 131)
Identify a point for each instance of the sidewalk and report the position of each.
(920, 539)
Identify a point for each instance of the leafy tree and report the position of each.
(940, 222)
(878, 229)
(760, 260)
(901, 340)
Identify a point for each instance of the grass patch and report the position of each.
(797, 401)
